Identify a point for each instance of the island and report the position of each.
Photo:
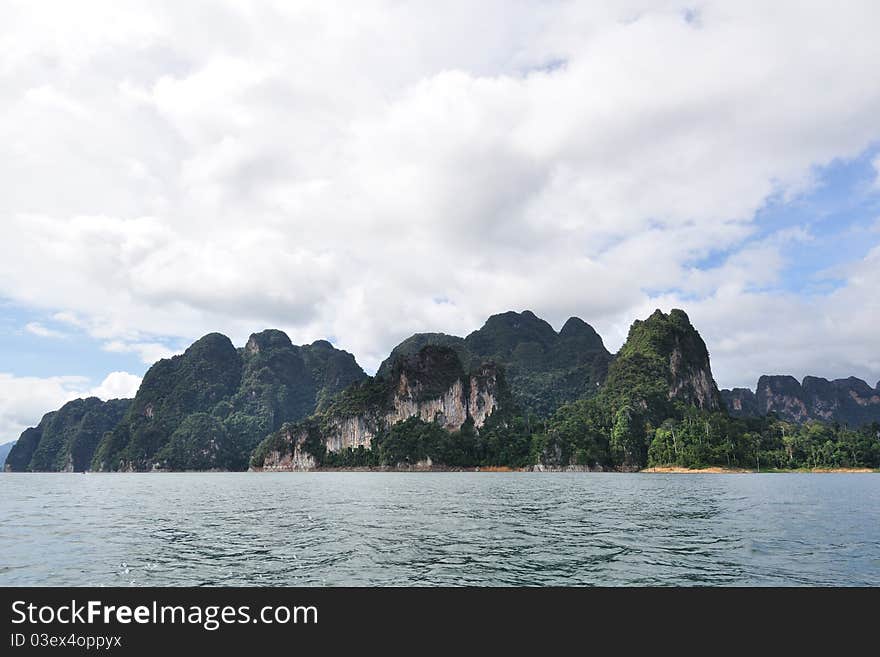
(513, 395)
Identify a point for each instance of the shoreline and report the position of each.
(665, 469)
(660, 469)
(673, 469)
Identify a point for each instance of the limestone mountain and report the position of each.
(515, 393)
(65, 439)
(543, 368)
(848, 401)
(415, 343)
(660, 371)
(431, 387)
(208, 407)
(4, 452)
(663, 361)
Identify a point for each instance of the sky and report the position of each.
(362, 171)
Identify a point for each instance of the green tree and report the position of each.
(628, 439)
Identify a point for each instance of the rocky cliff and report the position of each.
(849, 401)
(430, 385)
(663, 361)
(290, 449)
(472, 397)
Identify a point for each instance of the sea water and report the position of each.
(426, 529)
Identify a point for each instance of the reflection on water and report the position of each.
(439, 529)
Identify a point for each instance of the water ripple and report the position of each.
(399, 529)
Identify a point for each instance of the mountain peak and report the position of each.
(679, 316)
(676, 316)
(853, 383)
(322, 344)
(517, 320)
(502, 333)
(777, 382)
(576, 327)
(267, 339)
(667, 357)
(543, 368)
(430, 371)
(212, 342)
(851, 400)
(429, 361)
(415, 342)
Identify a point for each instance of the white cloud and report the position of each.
(117, 385)
(70, 318)
(25, 399)
(770, 332)
(174, 170)
(35, 328)
(48, 97)
(149, 352)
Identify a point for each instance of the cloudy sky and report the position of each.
(363, 173)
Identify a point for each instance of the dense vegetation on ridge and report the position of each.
(658, 406)
(204, 409)
(585, 433)
(543, 368)
(65, 439)
(209, 407)
(556, 401)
